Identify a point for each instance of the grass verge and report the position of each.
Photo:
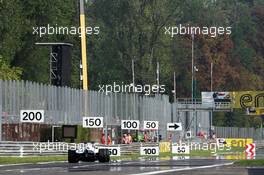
(250, 162)
(31, 159)
(193, 153)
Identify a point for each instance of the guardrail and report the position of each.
(56, 148)
(188, 104)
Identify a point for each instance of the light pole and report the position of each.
(133, 81)
(174, 85)
(212, 64)
(211, 112)
(192, 85)
(83, 47)
(192, 64)
(158, 72)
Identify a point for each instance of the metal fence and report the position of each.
(235, 132)
(63, 105)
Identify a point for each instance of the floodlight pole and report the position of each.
(212, 76)
(193, 86)
(211, 112)
(158, 74)
(174, 85)
(192, 67)
(83, 47)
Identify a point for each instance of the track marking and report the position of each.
(32, 169)
(183, 169)
(18, 164)
(38, 163)
(44, 163)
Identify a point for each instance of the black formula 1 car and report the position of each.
(90, 153)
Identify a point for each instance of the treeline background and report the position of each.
(134, 29)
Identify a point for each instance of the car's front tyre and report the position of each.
(72, 156)
(103, 155)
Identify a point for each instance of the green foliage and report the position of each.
(135, 30)
(83, 134)
(236, 118)
(7, 73)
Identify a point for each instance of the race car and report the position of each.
(90, 153)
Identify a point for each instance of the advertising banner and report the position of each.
(247, 99)
(236, 142)
(210, 98)
(251, 101)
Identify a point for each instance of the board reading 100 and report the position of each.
(93, 122)
(150, 151)
(32, 116)
(130, 124)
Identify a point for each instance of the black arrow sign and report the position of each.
(175, 126)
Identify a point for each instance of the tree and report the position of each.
(7, 73)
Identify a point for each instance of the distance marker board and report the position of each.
(93, 122)
(130, 124)
(32, 116)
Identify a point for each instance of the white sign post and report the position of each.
(130, 124)
(93, 122)
(32, 116)
(174, 127)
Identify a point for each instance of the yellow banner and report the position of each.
(238, 156)
(164, 147)
(238, 142)
(247, 99)
(260, 111)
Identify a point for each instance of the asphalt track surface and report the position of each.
(138, 167)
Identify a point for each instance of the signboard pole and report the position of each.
(1, 113)
(261, 127)
(1, 120)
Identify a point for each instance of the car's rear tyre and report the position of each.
(89, 156)
(72, 156)
(103, 155)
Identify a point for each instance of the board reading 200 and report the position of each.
(32, 116)
(130, 124)
(93, 122)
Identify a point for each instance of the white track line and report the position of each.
(182, 169)
(18, 164)
(38, 163)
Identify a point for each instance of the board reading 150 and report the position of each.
(32, 116)
(113, 151)
(93, 122)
